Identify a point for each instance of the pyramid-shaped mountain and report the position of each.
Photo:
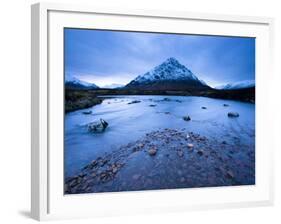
(170, 75)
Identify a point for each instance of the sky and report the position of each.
(117, 57)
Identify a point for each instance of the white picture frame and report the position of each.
(48, 201)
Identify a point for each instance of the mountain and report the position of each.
(170, 75)
(113, 86)
(238, 85)
(74, 83)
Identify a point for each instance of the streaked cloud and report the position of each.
(106, 57)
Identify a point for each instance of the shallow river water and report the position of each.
(130, 122)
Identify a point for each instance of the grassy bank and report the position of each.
(80, 99)
(76, 99)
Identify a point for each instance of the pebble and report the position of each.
(230, 174)
(180, 153)
(189, 145)
(152, 152)
(136, 176)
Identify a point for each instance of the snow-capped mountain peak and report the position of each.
(238, 85)
(74, 82)
(169, 70)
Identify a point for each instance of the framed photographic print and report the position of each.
(148, 111)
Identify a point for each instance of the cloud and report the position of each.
(118, 57)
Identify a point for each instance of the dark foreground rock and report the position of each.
(97, 126)
(167, 159)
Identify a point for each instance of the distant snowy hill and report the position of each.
(113, 86)
(238, 85)
(72, 82)
(170, 75)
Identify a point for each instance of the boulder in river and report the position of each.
(186, 118)
(204, 108)
(87, 112)
(152, 105)
(166, 99)
(134, 101)
(97, 127)
(233, 114)
(225, 105)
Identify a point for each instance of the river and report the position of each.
(129, 122)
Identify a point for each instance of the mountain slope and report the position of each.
(238, 85)
(74, 83)
(170, 75)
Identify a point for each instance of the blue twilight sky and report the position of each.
(107, 57)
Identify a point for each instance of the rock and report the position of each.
(97, 127)
(167, 112)
(190, 146)
(115, 170)
(186, 118)
(93, 174)
(136, 176)
(134, 101)
(82, 175)
(225, 105)
(179, 172)
(182, 179)
(166, 99)
(103, 162)
(152, 105)
(180, 153)
(204, 108)
(230, 174)
(152, 151)
(187, 136)
(87, 112)
(200, 152)
(224, 142)
(73, 182)
(233, 114)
